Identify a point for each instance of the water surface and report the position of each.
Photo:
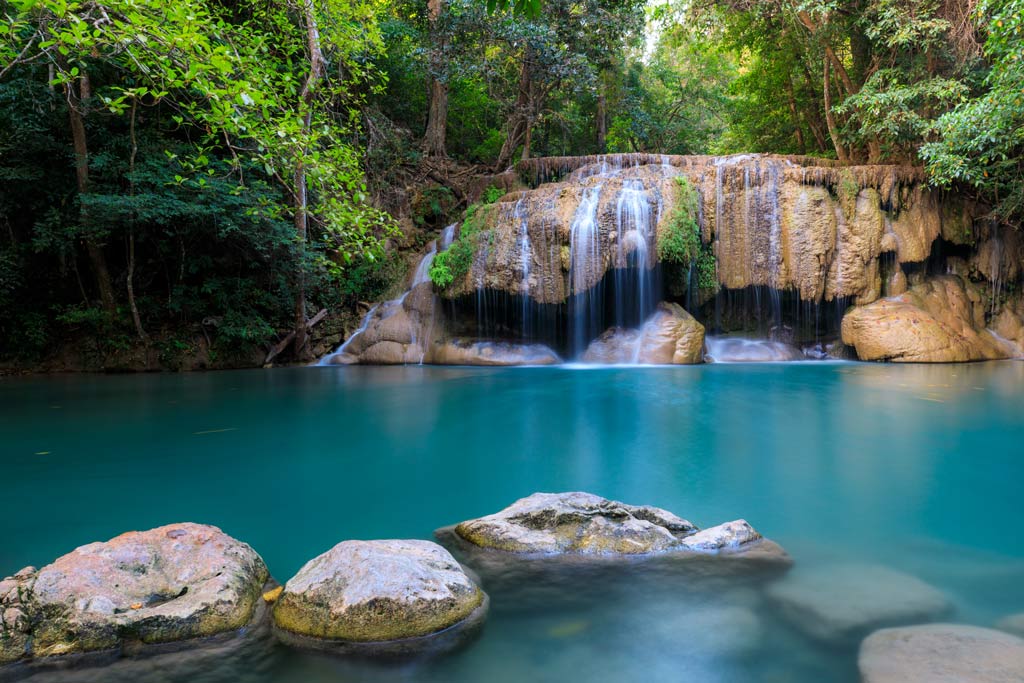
(918, 468)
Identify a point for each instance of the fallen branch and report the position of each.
(290, 337)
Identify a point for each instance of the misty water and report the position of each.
(914, 468)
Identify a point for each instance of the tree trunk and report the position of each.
(520, 121)
(94, 250)
(301, 199)
(602, 117)
(798, 130)
(833, 130)
(136, 318)
(437, 116)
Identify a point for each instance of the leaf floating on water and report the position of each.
(930, 398)
(216, 431)
(42, 452)
(136, 605)
(273, 595)
(568, 629)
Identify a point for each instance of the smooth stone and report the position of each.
(670, 336)
(576, 522)
(941, 653)
(704, 631)
(467, 352)
(1012, 624)
(842, 603)
(366, 592)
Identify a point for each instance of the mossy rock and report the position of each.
(372, 592)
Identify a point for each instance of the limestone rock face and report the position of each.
(376, 591)
(937, 653)
(584, 524)
(469, 352)
(842, 603)
(669, 336)
(937, 321)
(167, 584)
(395, 332)
(787, 223)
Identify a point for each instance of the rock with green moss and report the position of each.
(369, 593)
(579, 523)
(16, 608)
(165, 585)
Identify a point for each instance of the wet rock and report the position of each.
(170, 584)
(396, 332)
(669, 336)
(366, 592)
(469, 352)
(842, 603)
(1012, 624)
(703, 631)
(936, 653)
(935, 322)
(737, 350)
(584, 524)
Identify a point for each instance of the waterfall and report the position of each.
(585, 261)
(364, 323)
(634, 281)
(520, 215)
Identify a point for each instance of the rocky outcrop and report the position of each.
(669, 337)
(396, 332)
(470, 352)
(169, 584)
(941, 320)
(941, 652)
(842, 603)
(584, 524)
(365, 592)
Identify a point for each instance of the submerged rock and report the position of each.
(466, 352)
(669, 336)
(169, 584)
(1012, 624)
(938, 321)
(842, 603)
(376, 592)
(941, 652)
(584, 524)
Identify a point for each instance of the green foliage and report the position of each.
(453, 264)
(981, 141)
(680, 245)
(492, 194)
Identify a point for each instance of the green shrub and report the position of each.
(679, 242)
(454, 263)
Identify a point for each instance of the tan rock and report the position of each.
(932, 323)
(671, 336)
(469, 352)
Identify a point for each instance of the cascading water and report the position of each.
(634, 278)
(585, 260)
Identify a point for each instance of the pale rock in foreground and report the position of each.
(842, 603)
(941, 653)
(172, 583)
(578, 523)
(378, 591)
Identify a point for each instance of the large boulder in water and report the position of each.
(935, 653)
(669, 336)
(843, 603)
(169, 584)
(579, 523)
(940, 320)
(470, 352)
(377, 592)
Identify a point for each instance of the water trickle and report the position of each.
(634, 231)
(584, 263)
